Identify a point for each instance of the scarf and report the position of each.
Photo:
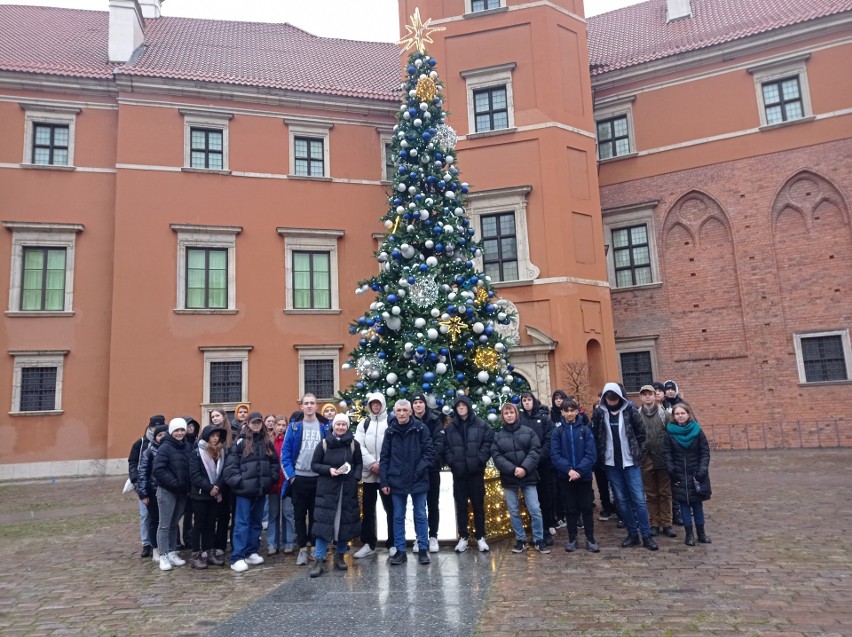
(685, 434)
(214, 469)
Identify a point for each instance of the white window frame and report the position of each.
(215, 120)
(311, 240)
(484, 78)
(790, 66)
(315, 128)
(626, 216)
(800, 362)
(513, 199)
(196, 236)
(223, 354)
(319, 352)
(37, 358)
(635, 345)
(468, 8)
(609, 109)
(49, 114)
(43, 235)
(385, 139)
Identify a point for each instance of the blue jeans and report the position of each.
(630, 498)
(248, 524)
(143, 524)
(321, 548)
(695, 509)
(421, 522)
(533, 508)
(274, 528)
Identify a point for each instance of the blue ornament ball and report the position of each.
(424, 267)
(392, 298)
(516, 399)
(460, 359)
(410, 70)
(429, 377)
(469, 344)
(420, 350)
(426, 386)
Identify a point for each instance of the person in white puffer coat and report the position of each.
(370, 434)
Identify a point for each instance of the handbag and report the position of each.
(703, 490)
(128, 486)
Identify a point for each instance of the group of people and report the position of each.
(298, 476)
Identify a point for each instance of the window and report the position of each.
(205, 145)
(37, 382)
(42, 270)
(630, 245)
(206, 278)
(499, 218)
(309, 146)
(823, 357)
(489, 98)
(636, 370)
(206, 148)
(311, 262)
(475, 6)
(500, 246)
(613, 139)
(49, 135)
(782, 100)
(225, 377)
(782, 90)
(311, 280)
(390, 162)
(632, 256)
(206, 262)
(319, 370)
(490, 109)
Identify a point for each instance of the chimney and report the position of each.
(126, 29)
(677, 9)
(151, 8)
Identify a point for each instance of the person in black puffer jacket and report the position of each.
(337, 493)
(435, 422)
(467, 448)
(146, 487)
(205, 473)
(517, 452)
(537, 417)
(134, 459)
(688, 464)
(171, 469)
(251, 469)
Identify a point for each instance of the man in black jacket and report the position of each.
(434, 422)
(537, 417)
(139, 447)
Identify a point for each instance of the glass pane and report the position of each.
(489, 226)
(492, 270)
(316, 168)
(509, 249)
(33, 279)
(301, 147)
(218, 259)
(31, 300)
(770, 94)
(621, 258)
(316, 148)
(195, 279)
(194, 298)
(489, 247)
(510, 271)
(42, 135)
(321, 263)
(507, 224)
(214, 140)
(642, 276)
(604, 130)
(790, 89)
(480, 101)
(197, 138)
(218, 298)
(198, 160)
(322, 299)
(498, 99)
(218, 280)
(773, 115)
(54, 300)
(623, 279)
(214, 161)
(60, 157)
(55, 280)
(33, 259)
(501, 120)
(641, 256)
(794, 110)
(41, 156)
(195, 258)
(301, 261)
(605, 150)
(639, 234)
(302, 281)
(301, 167)
(620, 126)
(301, 299)
(622, 147)
(56, 259)
(483, 123)
(619, 238)
(60, 136)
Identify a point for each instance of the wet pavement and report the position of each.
(780, 565)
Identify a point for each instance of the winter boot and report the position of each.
(197, 561)
(702, 536)
(213, 559)
(689, 540)
(317, 569)
(340, 562)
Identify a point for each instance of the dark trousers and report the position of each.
(204, 525)
(223, 522)
(304, 492)
(603, 490)
(432, 502)
(545, 489)
(188, 516)
(578, 498)
(153, 519)
(470, 488)
(371, 492)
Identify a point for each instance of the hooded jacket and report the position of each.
(432, 419)
(134, 459)
(338, 492)
(669, 403)
(631, 430)
(293, 444)
(407, 454)
(199, 480)
(516, 446)
(538, 419)
(370, 434)
(556, 412)
(573, 447)
(250, 476)
(147, 485)
(171, 465)
(467, 443)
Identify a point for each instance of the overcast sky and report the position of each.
(359, 20)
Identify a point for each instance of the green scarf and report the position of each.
(684, 435)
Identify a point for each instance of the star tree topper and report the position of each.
(419, 33)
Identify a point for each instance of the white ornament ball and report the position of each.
(482, 376)
(420, 323)
(450, 159)
(450, 195)
(391, 378)
(432, 333)
(409, 346)
(435, 312)
(502, 316)
(424, 215)
(417, 122)
(390, 391)
(409, 374)
(486, 400)
(429, 244)
(508, 378)
(424, 106)
(374, 374)
(492, 417)
(499, 347)
(431, 262)
(401, 188)
(451, 296)
(346, 366)
(448, 229)
(478, 328)
(440, 368)
(446, 410)
(506, 390)
(396, 310)
(459, 212)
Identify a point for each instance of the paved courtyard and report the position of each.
(780, 565)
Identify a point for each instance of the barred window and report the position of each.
(824, 358)
(38, 389)
(226, 381)
(319, 377)
(636, 370)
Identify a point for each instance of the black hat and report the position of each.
(160, 429)
(670, 384)
(658, 386)
(255, 415)
(156, 421)
(209, 429)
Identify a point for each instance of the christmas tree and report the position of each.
(434, 326)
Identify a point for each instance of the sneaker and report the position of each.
(520, 546)
(254, 559)
(239, 566)
(174, 558)
(302, 558)
(551, 530)
(561, 524)
(272, 550)
(461, 547)
(542, 547)
(592, 546)
(423, 557)
(400, 557)
(288, 549)
(392, 551)
(165, 564)
(433, 545)
(155, 555)
(482, 545)
(604, 516)
(571, 546)
(265, 524)
(364, 551)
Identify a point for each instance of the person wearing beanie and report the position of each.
(516, 452)
(146, 487)
(251, 468)
(171, 469)
(467, 448)
(134, 459)
(672, 394)
(370, 434)
(329, 411)
(435, 422)
(241, 414)
(337, 516)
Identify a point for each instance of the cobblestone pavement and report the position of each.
(780, 565)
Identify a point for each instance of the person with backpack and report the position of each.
(133, 460)
(146, 487)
